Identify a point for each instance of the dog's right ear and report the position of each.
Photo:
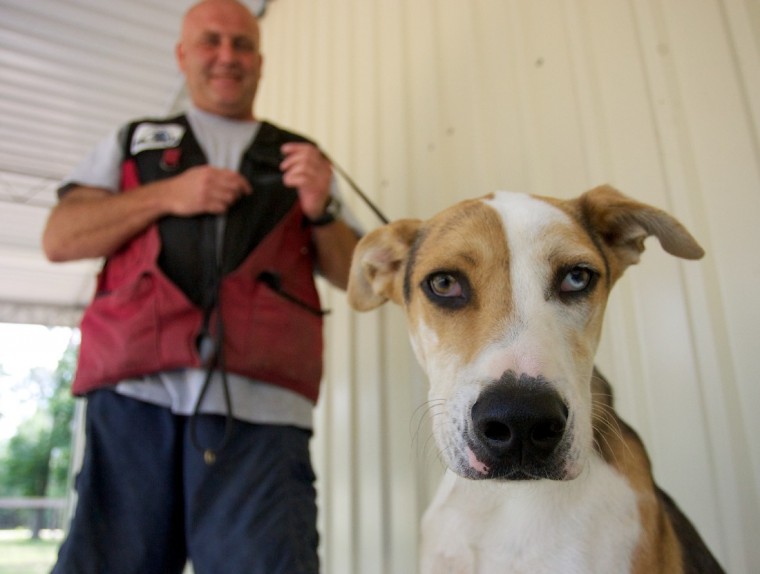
(378, 264)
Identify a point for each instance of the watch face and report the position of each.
(332, 211)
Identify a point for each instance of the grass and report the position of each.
(19, 554)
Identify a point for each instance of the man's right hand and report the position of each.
(205, 189)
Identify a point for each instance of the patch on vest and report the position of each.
(156, 136)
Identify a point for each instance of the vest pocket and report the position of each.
(276, 340)
(119, 335)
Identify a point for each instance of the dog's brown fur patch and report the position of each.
(470, 241)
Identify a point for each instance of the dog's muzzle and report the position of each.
(518, 432)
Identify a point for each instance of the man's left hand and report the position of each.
(308, 171)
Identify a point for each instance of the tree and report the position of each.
(36, 460)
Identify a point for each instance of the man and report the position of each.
(212, 225)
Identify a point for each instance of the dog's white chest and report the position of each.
(588, 525)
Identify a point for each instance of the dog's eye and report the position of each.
(446, 289)
(577, 280)
(445, 285)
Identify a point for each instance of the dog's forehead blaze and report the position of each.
(508, 246)
(546, 239)
(558, 235)
(468, 239)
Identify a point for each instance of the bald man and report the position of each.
(201, 352)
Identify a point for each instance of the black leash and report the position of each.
(356, 188)
(214, 362)
(211, 344)
(213, 280)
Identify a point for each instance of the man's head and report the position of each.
(218, 52)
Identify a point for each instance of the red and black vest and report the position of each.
(152, 296)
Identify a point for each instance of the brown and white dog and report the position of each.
(504, 297)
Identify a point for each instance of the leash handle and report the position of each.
(356, 188)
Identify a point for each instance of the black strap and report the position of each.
(211, 339)
(210, 267)
(216, 361)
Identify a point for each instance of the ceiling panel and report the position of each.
(70, 72)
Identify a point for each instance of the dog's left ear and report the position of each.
(624, 223)
(378, 265)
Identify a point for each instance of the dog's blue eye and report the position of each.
(445, 285)
(576, 280)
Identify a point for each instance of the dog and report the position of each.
(504, 297)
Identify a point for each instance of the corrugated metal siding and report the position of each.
(427, 102)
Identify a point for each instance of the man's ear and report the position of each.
(179, 55)
(378, 264)
(624, 224)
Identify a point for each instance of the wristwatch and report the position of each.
(332, 211)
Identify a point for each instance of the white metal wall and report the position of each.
(427, 102)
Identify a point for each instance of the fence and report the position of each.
(34, 513)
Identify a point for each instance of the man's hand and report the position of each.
(205, 189)
(306, 169)
(309, 172)
(92, 222)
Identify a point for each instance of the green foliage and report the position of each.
(36, 459)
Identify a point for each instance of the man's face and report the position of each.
(219, 55)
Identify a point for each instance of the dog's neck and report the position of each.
(621, 448)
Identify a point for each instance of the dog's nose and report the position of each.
(518, 423)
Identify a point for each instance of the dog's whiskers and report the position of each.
(428, 447)
(427, 411)
(422, 412)
(604, 418)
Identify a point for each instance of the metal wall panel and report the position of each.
(427, 102)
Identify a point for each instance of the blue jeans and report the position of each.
(148, 502)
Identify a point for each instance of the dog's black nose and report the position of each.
(519, 422)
